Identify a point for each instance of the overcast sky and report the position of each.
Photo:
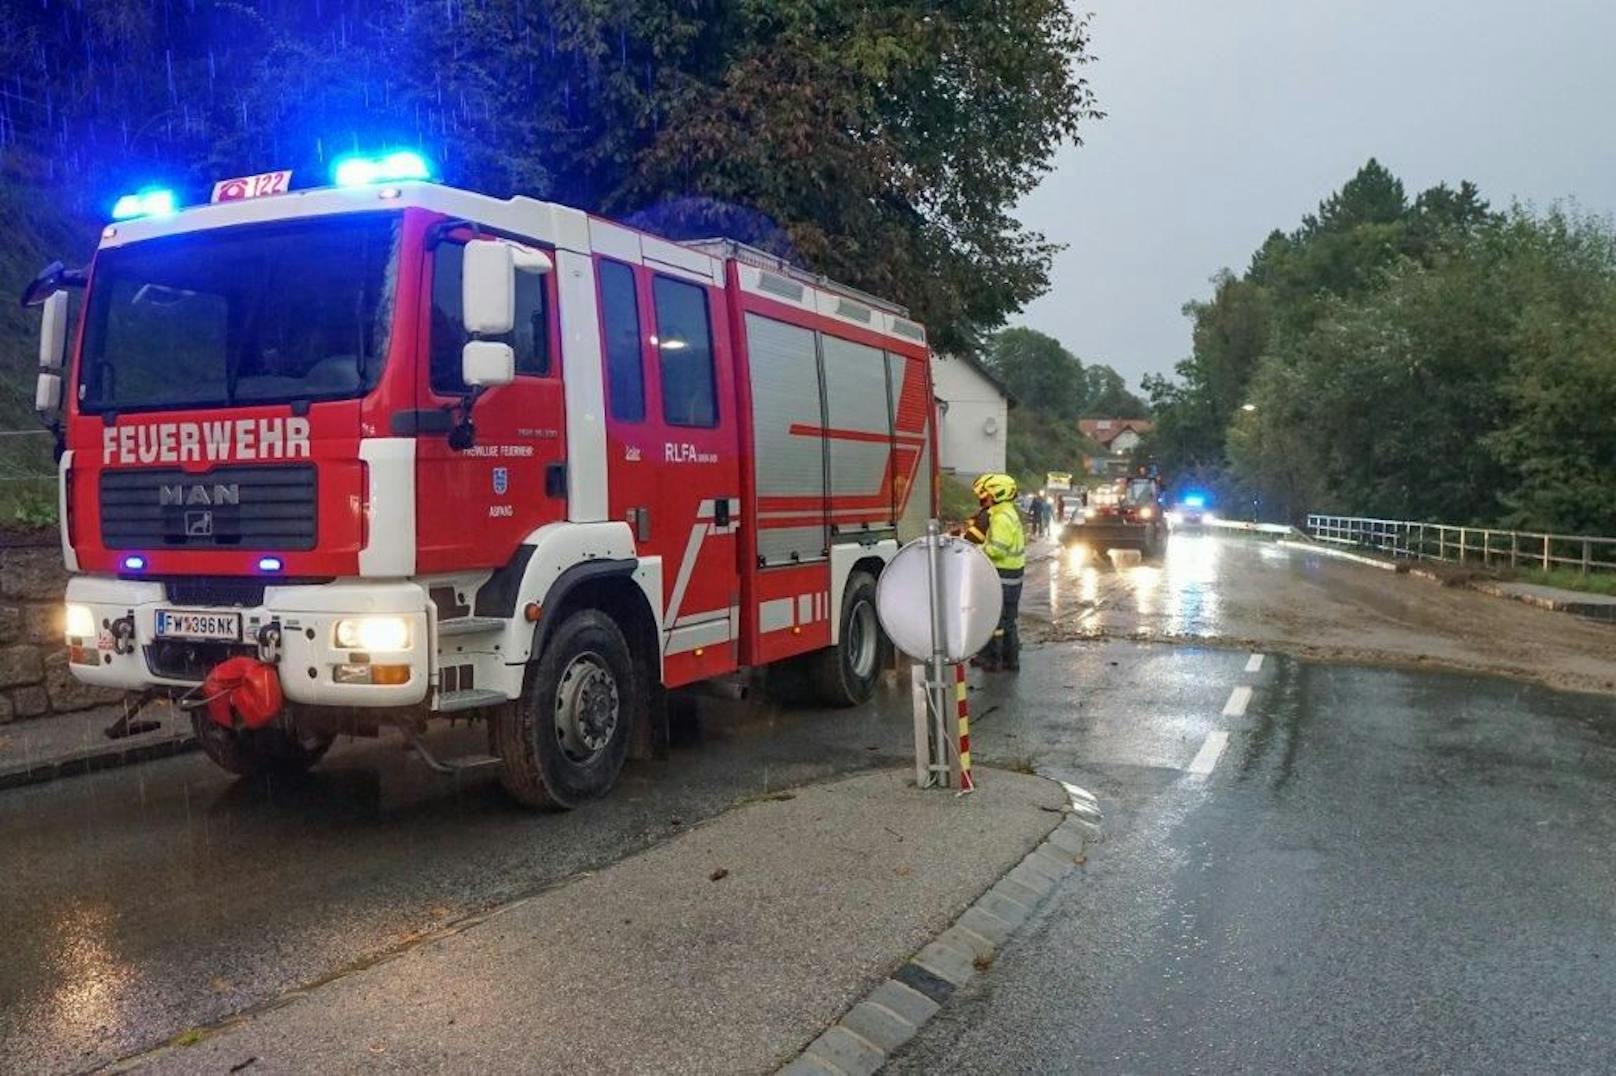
(1228, 118)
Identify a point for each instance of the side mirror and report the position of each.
(53, 332)
(487, 363)
(48, 393)
(488, 284)
(50, 280)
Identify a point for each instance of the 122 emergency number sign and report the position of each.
(260, 186)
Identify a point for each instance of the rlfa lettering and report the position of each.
(206, 442)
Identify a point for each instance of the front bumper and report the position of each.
(305, 614)
(1107, 534)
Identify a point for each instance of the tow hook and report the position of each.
(123, 635)
(269, 643)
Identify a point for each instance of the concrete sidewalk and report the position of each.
(727, 949)
(1579, 602)
(43, 749)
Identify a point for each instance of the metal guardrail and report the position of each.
(1486, 546)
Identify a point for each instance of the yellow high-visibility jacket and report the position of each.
(997, 529)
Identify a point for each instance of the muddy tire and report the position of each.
(259, 752)
(846, 674)
(564, 741)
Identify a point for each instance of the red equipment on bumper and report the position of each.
(242, 693)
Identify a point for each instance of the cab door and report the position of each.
(672, 448)
(475, 505)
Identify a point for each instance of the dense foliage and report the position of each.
(1053, 388)
(883, 144)
(1425, 359)
(1045, 377)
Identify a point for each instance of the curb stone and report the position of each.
(881, 1022)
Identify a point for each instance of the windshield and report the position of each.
(1141, 491)
(266, 314)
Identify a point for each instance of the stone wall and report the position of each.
(34, 680)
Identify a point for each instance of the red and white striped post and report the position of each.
(964, 782)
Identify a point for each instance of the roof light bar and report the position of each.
(151, 202)
(360, 171)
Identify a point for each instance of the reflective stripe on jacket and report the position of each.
(997, 529)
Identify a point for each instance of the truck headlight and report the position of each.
(80, 622)
(373, 633)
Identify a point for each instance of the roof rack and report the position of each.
(762, 259)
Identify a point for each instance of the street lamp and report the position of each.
(1248, 407)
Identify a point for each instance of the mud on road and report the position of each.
(1225, 591)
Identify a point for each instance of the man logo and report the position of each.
(502, 481)
(199, 524)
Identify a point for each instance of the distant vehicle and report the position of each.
(1127, 515)
(1190, 513)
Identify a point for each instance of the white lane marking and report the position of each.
(1254, 663)
(1239, 699)
(1207, 757)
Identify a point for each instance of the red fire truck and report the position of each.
(416, 452)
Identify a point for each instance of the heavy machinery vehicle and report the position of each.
(1125, 515)
(411, 452)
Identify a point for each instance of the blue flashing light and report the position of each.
(1194, 500)
(270, 564)
(134, 562)
(151, 202)
(360, 171)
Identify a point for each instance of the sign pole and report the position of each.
(938, 680)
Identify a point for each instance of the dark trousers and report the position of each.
(1005, 646)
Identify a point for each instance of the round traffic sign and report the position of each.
(971, 596)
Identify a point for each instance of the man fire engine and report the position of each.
(351, 457)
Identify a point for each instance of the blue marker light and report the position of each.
(359, 171)
(152, 202)
(134, 562)
(1194, 500)
(270, 564)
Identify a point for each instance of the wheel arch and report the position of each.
(844, 561)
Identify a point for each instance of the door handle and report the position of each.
(721, 512)
(555, 479)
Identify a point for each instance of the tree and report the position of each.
(885, 145)
(1106, 395)
(1040, 373)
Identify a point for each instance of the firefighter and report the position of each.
(997, 529)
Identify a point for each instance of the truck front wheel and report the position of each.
(258, 752)
(565, 740)
(845, 674)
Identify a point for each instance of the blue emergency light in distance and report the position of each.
(1194, 500)
(151, 202)
(355, 170)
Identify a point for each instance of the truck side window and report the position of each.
(625, 366)
(685, 352)
(530, 339)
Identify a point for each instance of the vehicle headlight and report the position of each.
(1088, 513)
(80, 622)
(373, 633)
(1145, 513)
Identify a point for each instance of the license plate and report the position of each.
(188, 624)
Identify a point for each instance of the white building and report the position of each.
(973, 409)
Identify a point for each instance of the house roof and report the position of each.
(1106, 430)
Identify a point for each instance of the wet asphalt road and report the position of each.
(1383, 870)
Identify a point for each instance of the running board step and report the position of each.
(469, 625)
(450, 701)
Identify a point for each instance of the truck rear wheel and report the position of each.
(565, 740)
(259, 752)
(845, 674)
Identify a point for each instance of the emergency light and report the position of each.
(359, 171)
(134, 562)
(270, 564)
(1194, 500)
(151, 202)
